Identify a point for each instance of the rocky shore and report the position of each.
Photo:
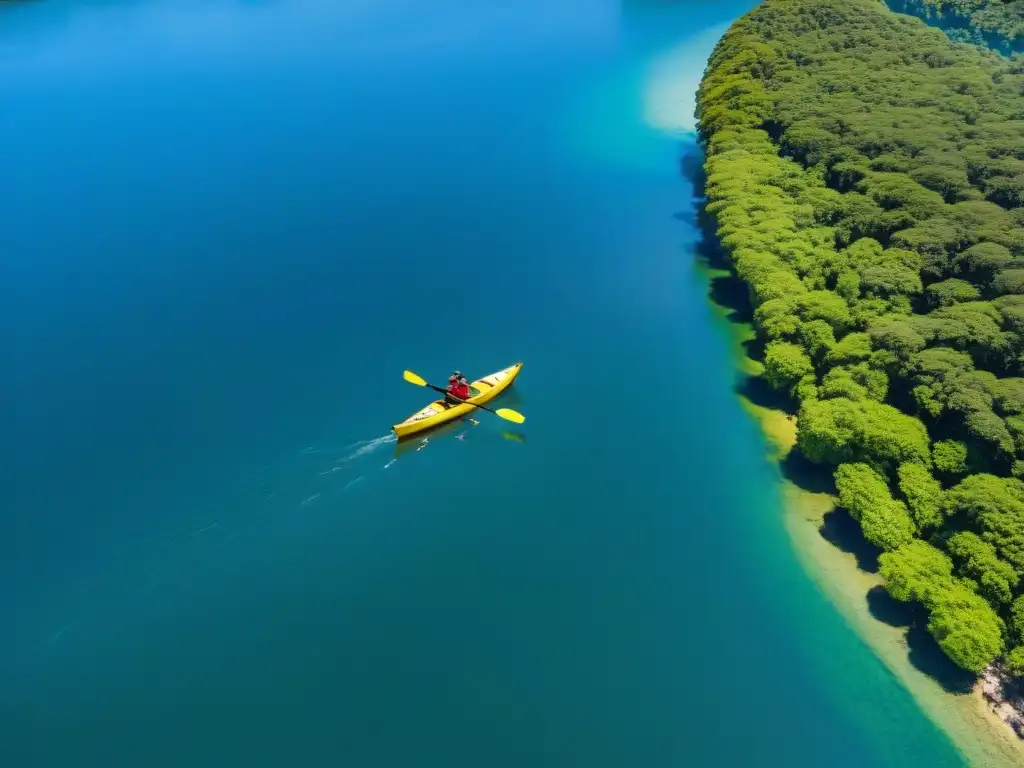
(1004, 696)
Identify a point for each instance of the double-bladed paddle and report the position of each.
(505, 413)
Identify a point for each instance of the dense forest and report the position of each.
(996, 23)
(866, 176)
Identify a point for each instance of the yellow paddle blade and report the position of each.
(509, 415)
(412, 378)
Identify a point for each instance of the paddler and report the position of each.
(457, 390)
(450, 392)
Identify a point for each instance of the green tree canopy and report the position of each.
(976, 559)
(994, 507)
(866, 177)
(923, 494)
(950, 456)
(841, 430)
(785, 364)
(865, 494)
(963, 623)
(966, 628)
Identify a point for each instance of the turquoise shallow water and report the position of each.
(228, 228)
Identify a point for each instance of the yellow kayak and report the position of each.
(481, 390)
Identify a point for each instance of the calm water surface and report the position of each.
(227, 228)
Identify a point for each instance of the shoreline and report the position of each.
(804, 213)
(970, 719)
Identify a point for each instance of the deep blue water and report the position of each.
(227, 228)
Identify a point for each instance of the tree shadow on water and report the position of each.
(843, 532)
(691, 166)
(808, 476)
(726, 290)
(922, 651)
(730, 293)
(759, 392)
(891, 611)
(927, 657)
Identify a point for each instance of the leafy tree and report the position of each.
(950, 456)
(848, 286)
(1009, 396)
(937, 240)
(1017, 620)
(980, 220)
(935, 375)
(852, 348)
(777, 319)
(951, 291)
(874, 380)
(917, 572)
(1007, 191)
(896, 190)
(1015, 426)
(964, 625)
(994, 506)
(865, 494)
(987, 428)
(893, 272)
(1015, 661)
(977, 560)
(1011, 310)
(923, 494)
(1008, 281)
(785, 364)
(826, 306)
(839, 430)
(900, 335)
(973, 326)
(818, 338)
(966, 628)
(951, 183)
(839, 382)
(982, 261)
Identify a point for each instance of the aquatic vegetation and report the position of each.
(866, 176)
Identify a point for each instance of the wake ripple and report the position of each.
(365, 447)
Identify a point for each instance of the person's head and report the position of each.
(463, 381)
